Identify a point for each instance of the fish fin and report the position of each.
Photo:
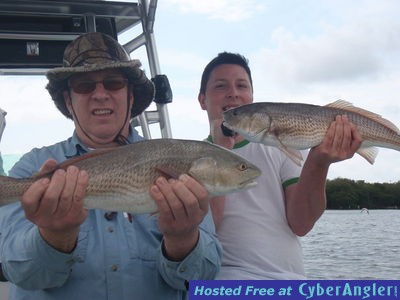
(168, 172)
(293, 154)
(71, 161)
(368, 153)
(151, 214)
(347, 106)
(42, 174)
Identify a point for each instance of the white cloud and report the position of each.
(26, 102)
(353, 51)
(227, 10)
(357, 61)
(32, 118)
(183, 61)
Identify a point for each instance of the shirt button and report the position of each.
(114, 268)
(110, 229)
(183, 269)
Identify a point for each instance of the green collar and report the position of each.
(237, 145)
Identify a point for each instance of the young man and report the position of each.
(259, 228)
(53, 248)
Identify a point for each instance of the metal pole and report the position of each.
(148, 17)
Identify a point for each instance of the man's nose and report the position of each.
(233, 92)
(100, 92)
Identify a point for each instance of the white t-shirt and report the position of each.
(257, 240)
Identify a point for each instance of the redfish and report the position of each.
(119, 178)
(298, 126)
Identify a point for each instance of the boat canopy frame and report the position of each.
(34, 33)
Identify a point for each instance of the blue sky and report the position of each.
(299, 51)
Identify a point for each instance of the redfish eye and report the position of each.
(242, 167)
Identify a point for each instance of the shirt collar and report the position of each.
(78, 148)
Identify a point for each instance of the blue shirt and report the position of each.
(114, 259)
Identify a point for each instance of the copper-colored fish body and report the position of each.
(119, 178)
(298, 126)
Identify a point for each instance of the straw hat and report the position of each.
(97, 51)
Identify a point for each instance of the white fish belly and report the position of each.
(302, 140)
(141, 203)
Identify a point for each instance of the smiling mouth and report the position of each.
(102, 112)
(228, 107)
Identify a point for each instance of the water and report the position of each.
(9, 160)
(351, 244)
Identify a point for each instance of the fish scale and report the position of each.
(299, 126)
(120, 178)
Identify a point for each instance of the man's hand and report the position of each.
(182, 204)
(341, 141)
(55, 205)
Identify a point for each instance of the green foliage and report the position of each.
(349, 194)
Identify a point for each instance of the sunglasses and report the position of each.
(88, 86)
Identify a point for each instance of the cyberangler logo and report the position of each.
(347, 289)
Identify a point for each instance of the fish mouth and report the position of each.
(248, 184)
(234, 130)
(226, 130)
(260, 132)
(227, 125)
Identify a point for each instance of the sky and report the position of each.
(305, 51)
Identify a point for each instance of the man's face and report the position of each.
(228, 86)
(99, 109)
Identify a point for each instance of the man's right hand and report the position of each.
(55, 205)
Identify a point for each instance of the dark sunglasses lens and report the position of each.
(84, 87)
(114, 84)
(110, 84)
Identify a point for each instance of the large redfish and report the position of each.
(119, 179)
(297, 126)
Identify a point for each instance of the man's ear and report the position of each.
(67, 101)
(132, 100)
(202, 100)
